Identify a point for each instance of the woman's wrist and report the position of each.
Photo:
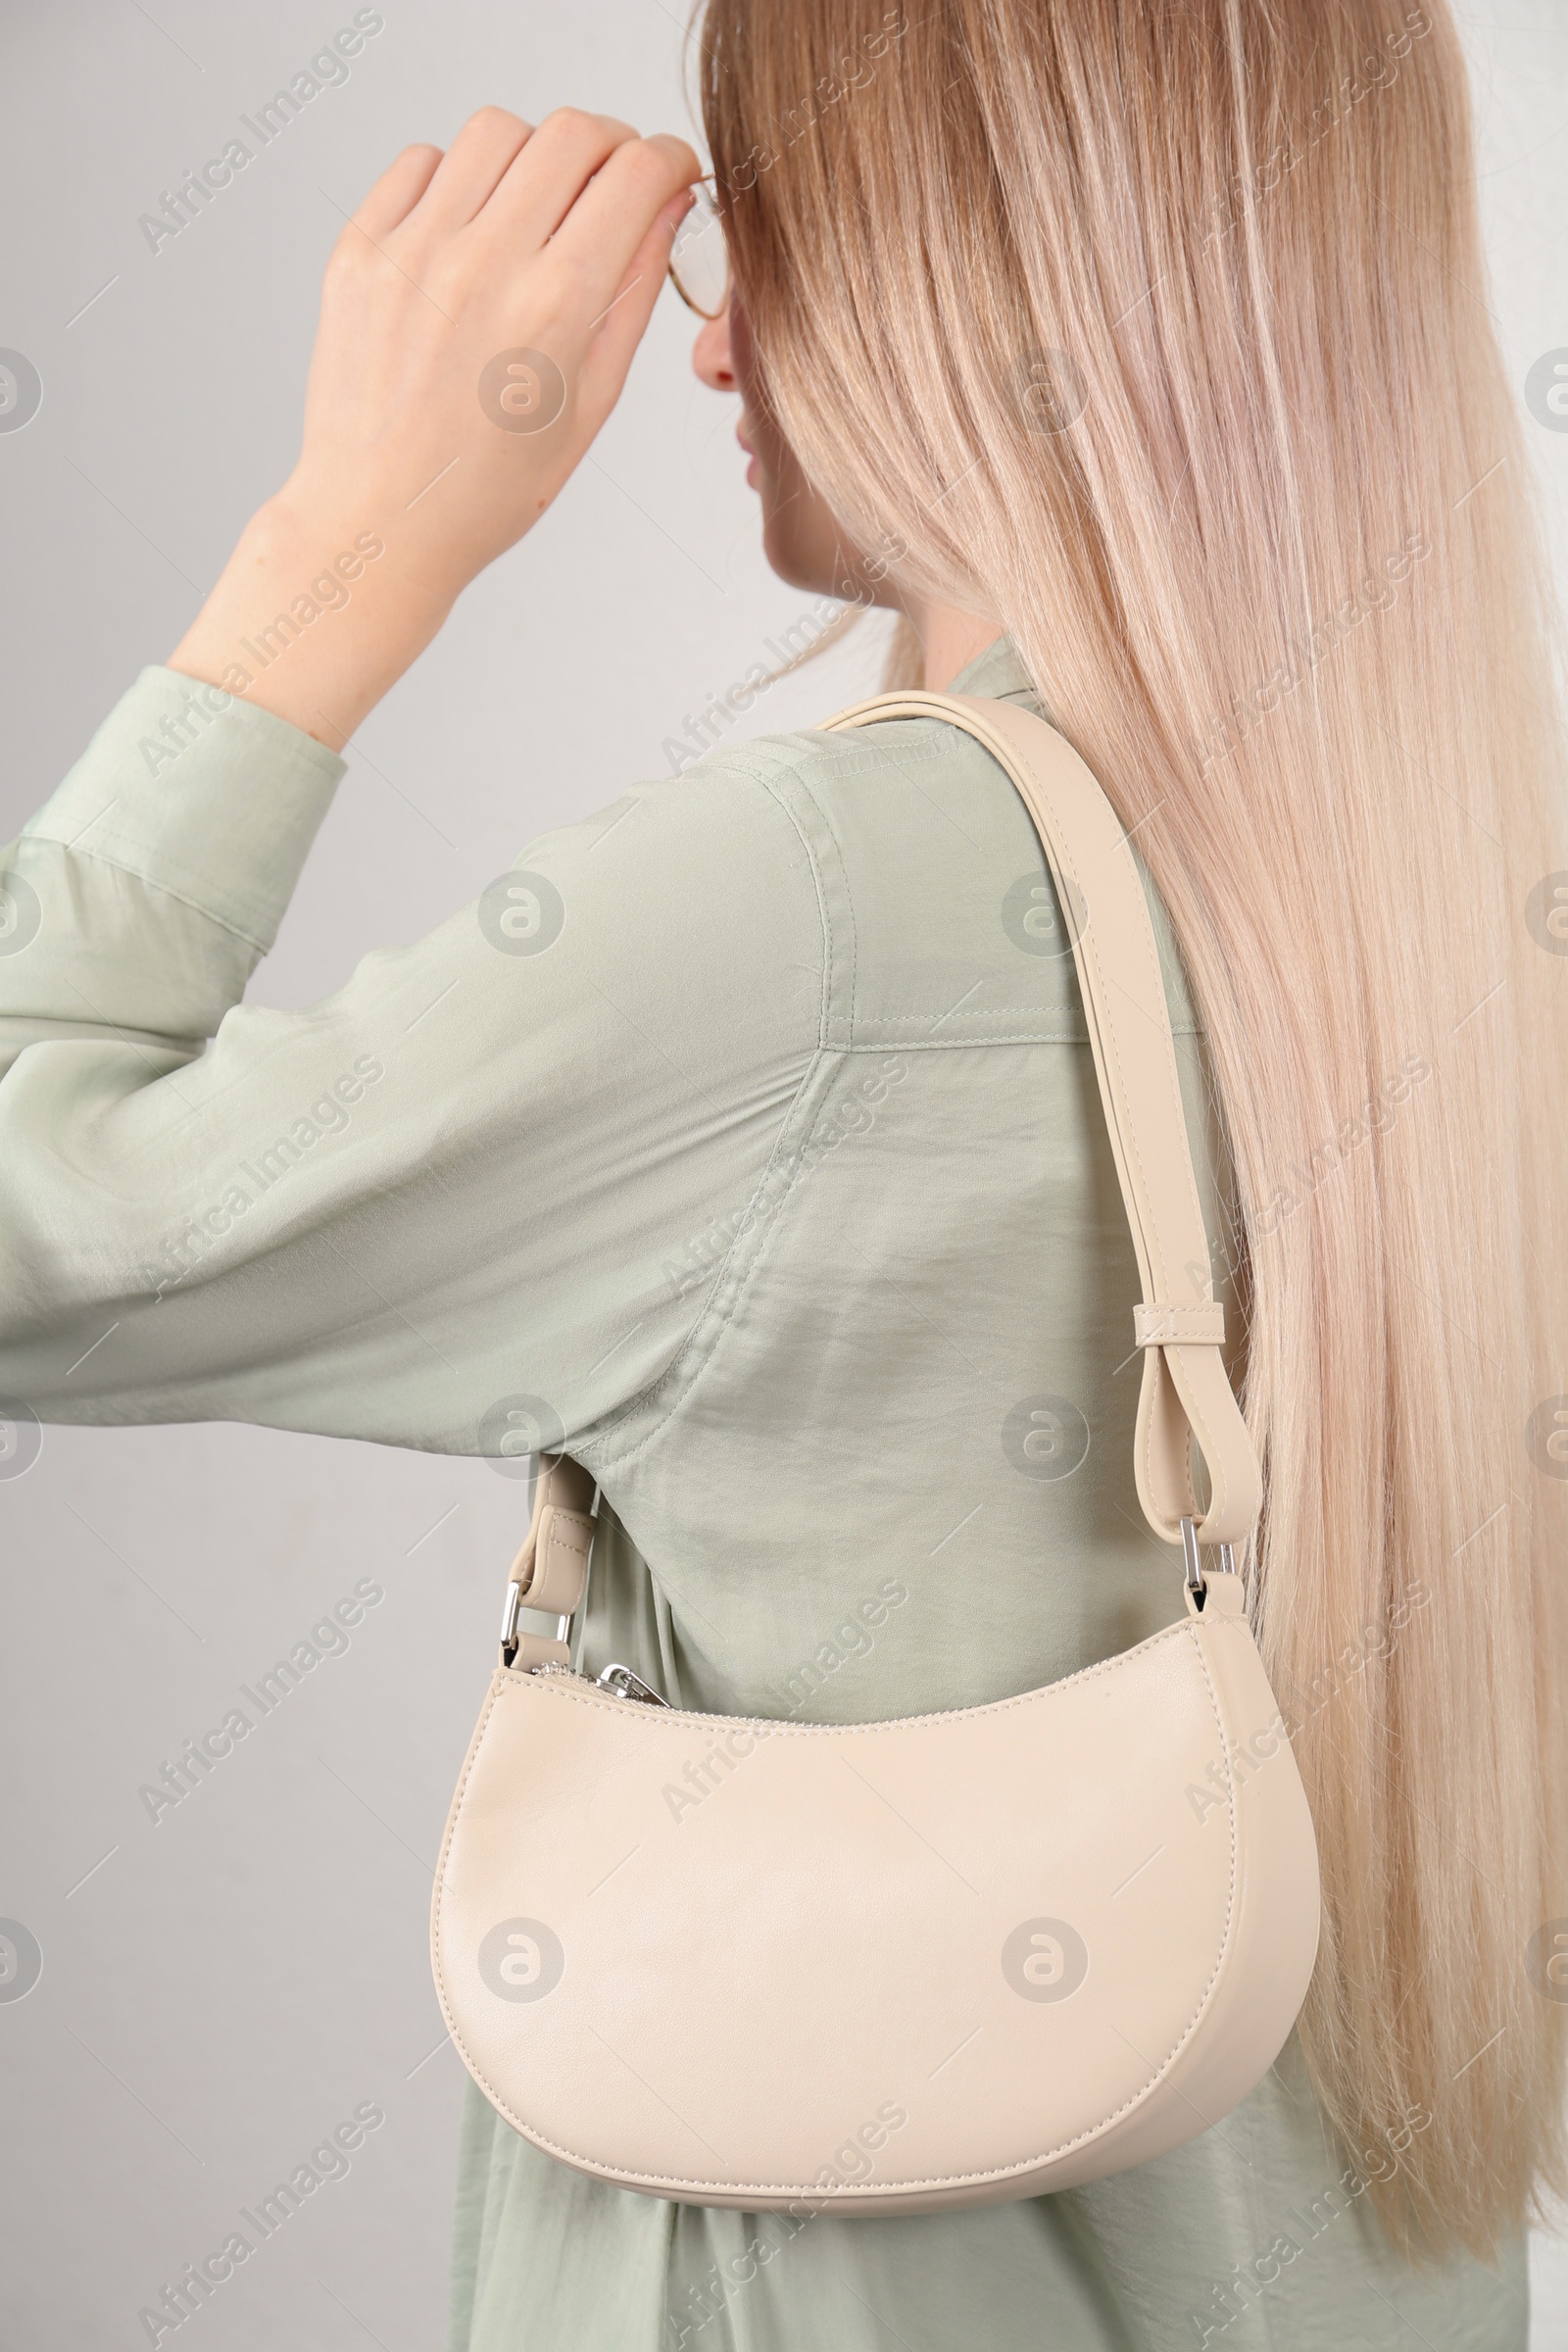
(317, 613)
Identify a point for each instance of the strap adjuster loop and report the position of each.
(1200, 1326)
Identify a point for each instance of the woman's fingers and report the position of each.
(397, 192)
(549, 176)
(478, 317)
(620, 327)
(472, 167)
(591, 255)
(477, 322)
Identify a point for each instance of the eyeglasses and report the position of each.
(698, 258)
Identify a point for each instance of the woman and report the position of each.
(1137, 355)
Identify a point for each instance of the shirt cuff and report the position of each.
(201, 793)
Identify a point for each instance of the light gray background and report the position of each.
(223, 1988)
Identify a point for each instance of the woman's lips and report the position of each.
(751, 470)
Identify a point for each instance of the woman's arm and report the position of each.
(483, 1170)
(471, 1182)
(479, 318)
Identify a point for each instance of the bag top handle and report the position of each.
(1180, 1326)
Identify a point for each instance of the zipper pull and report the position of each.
(622, 1683)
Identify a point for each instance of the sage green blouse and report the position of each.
(745, 1141)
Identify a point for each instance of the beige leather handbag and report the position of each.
(941, 1961)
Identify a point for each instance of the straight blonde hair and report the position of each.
(1159, 335)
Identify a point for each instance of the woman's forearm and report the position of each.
(318, 613)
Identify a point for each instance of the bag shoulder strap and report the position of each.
(1180, 1325)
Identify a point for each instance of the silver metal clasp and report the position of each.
(1192, 1565)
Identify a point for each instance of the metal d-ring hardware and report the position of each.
(1192, 1565)
(509, 1624)
(616, 1680)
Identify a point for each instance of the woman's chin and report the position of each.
(783, 556)
(797, 566)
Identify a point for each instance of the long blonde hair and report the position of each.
(1159, 334)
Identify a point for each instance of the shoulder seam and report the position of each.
(823, 917)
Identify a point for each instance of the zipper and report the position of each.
(615, 1681)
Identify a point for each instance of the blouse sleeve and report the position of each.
(451, 1205)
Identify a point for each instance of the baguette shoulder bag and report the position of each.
(946, 1960)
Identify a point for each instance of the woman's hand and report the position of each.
(479, 318)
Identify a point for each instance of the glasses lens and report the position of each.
(699, 263)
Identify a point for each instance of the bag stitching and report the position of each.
(506, 1678)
